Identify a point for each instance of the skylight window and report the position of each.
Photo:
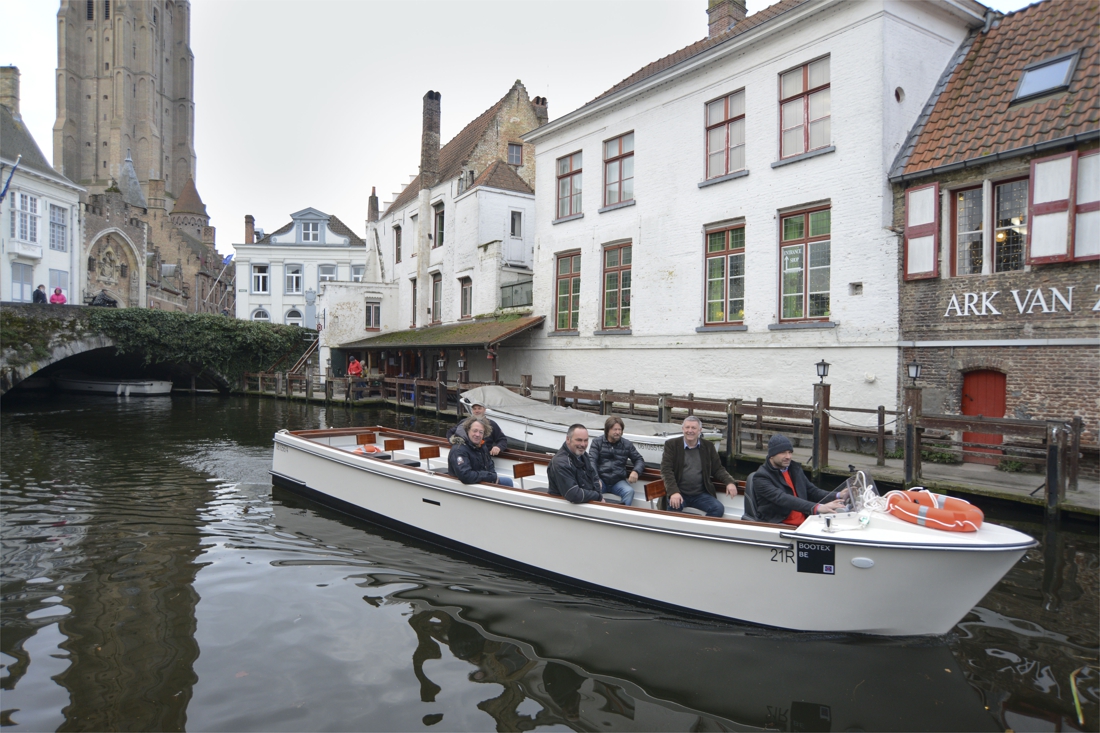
(1047, 76)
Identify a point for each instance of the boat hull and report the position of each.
(115, 387)
(737, 570)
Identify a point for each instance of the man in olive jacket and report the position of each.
(689, 467)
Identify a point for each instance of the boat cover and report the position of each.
(502, 399)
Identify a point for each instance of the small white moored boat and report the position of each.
(866, 572)
(535, 424)
(76, 382)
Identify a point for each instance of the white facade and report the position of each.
(883, 59)
(275, 275)
(40, 234)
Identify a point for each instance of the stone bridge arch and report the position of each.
(14, 371)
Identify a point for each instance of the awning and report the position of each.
(479, 334)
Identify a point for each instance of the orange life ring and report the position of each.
(365, 449)
(935, 510)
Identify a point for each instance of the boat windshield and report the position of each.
(861, 491)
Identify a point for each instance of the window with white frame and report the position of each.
(261, 315)
(22, 287)
(437, 298)
(618, 170)
(515, 154)
(59, 279)
(805, 109)
(725, 269)
(293, 317)
(59, 230)
(326, 273)
(726, 135)
(293, 279)
(517, 224)
(466, 306)
(260, 283)
(357, 273)
(439, 221)
(311, 231)
(24, 222)
(804, 257)
(569, 185)
(374, 316)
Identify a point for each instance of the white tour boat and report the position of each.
(537, 425)
(866, 572)
(77, 382)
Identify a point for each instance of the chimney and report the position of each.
(372, 206)
(541, 113)
(9, 89)
(249, 229)
(429, 141)
(724, 14)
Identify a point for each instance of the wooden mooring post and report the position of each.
(912, 409)
(820, 457)
(880, 444)
(440, 391)
(1056, 449)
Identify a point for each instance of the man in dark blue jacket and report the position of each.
(572, 472)
(498, 441)
(618, 462)
(469, 458)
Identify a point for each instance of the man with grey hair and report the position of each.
(689, 467)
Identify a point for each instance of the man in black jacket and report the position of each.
(498, 441)
(618, 462)
(39, 295)
(689, 467)
(572, 471)
(469, 458)
(782, 492)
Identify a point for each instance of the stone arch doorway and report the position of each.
(983, 393)
(113, 268)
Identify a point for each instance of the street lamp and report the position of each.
(914, 371)
(822, 370)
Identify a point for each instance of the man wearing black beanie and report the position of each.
(782, 492)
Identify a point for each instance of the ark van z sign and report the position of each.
(1032, 300)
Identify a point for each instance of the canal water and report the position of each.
(152, 580)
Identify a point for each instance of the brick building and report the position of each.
(997, 191)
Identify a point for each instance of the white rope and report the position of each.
(856, 425)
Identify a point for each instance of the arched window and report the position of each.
(294, 318)
(261, 315)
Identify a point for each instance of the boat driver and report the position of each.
(498, 441)
(689, 467)
(469, 458)
(572, 472)
(783, 494)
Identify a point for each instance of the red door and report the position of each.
(983, 394)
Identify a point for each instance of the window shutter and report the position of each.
(922, 224)
(1086, 244)
(1050, 208)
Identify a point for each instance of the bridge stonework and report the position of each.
(32, 337)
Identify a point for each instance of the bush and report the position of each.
(1010, 466)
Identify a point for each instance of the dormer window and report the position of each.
(1047, 76)
(311, 231)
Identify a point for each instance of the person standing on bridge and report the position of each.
(58, 297)
(39, 295)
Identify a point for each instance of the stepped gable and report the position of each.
(337, 226)
(742, 27)
(189, 201)
(453, 155)
(503, 176)
(974, 116)
(16, 140)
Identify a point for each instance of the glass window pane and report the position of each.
(577, 187)
(577, 161)
(563, 166)
(819, 133)
(792, 83)
(716, 139)
(625, 274)
(576, 203)
(819, 305)
(819, 280)
(716, 112)
(737, 238)
(611, 258)
(716, 241)
(611, 171)
(737, 104)
(737, 158)
(819, 73)
(628, 189)
(820, 223)
(626, 257)
(577, 266)
(611, 318)
(563, 207)
(563, 188)
(737, 273)
(612, 194)
(819, 254)
(610, 149)
(628, 167)
(820, 104)
(792, 114)
(563, 266)
(716, 164)
(794, 227)
(737, 133)
(716, 271)
(792, 306)
(628, 143)
(793, 143)
(1050, 76)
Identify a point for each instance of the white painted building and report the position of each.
(734, 223)
(277, 273)
(40, 220)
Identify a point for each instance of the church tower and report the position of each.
(125, 88)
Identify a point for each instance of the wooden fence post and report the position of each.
(663, 412)
(880, 443)
(759, 423)
(733, 430)
(912, 409)
(605, 406)
(1056, 445)
(821, 428)
(440, 391)
(525, 384)
(1074, 457)
(557, 388)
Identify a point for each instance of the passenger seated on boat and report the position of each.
(497, 440)
(783, 493)
(572, 472)
(618, 462)
(689, 467)
(469, 459)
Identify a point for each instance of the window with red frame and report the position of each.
(568, 305)
(804, 257)
(437, 298)
(618, 170)
(804, 109)
(569, 185)
(968, 231)
(1087, 233)
(725, 260)
(616, 286)
(726, 135)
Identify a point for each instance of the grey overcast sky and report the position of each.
(311, 103)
